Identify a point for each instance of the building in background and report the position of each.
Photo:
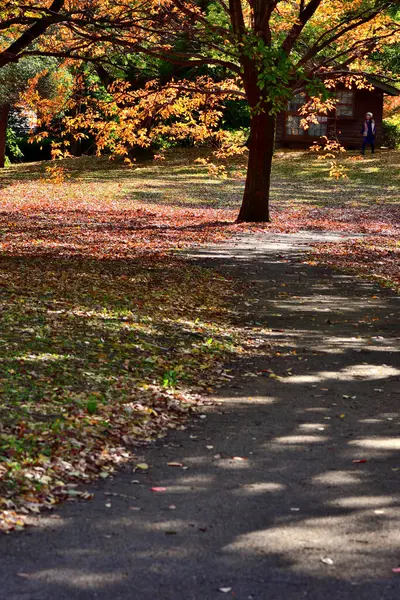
(343, 124)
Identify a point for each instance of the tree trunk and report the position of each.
(4, 110)
(255, 204)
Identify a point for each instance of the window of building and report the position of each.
(345, 104)
(296, 102)
(293, 120)
(318, 129)
(293, 125)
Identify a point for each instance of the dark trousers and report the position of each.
(365, 144)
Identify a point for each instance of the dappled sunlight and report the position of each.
(306, 540)
(260, 488)
(239, 464)
(43, 357)
(339, 478)
(301, 439)
(365, 371)
(77, 578)
(261, 400)
(377, 443)
(196, 481)
(312, 426)
(365, 501)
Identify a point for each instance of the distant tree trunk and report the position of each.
(4, 110)
(255, 204)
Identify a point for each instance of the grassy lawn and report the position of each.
(371, 179)
(105, 336)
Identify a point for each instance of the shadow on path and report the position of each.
(327, 396)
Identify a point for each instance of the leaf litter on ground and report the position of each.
(106, 338)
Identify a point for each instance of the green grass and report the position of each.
(298, 178)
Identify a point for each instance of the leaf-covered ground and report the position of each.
(374, 258)
(96, 355)
(105, 338)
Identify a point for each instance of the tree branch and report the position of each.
(306, 13)
(36, 30)
(357, 21)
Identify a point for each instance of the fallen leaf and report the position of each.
(158, 489)
(175, 464)
(359, 460)
(142, 466)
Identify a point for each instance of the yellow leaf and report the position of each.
(142, 466)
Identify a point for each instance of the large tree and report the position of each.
(272, 49)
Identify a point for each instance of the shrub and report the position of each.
(391, 132)
(13, 150)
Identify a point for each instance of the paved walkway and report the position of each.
(297, 518)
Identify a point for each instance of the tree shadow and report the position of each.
(271, 490)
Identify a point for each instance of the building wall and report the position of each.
(348, 129)
(280, 130)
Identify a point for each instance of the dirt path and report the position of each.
(297, 518)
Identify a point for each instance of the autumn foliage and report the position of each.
(263, 52)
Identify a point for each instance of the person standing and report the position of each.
(368, 131)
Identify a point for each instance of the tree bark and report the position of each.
(255, 204)
(4, 110)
